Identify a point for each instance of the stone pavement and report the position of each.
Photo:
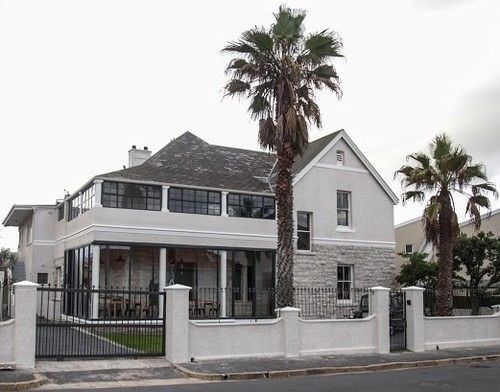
(251, 368)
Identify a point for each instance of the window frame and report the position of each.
(80, 203)
(342, 298)
(305, 231)
(341, 154)
(42, 274)
(411, 248)
(200, 205)
(253, 210)
(110, 198)
(60, 212)
(343, 209)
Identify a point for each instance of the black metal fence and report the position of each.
(331, 303)
(208, 303)
(466, 301)
(81, 322)
(6, 301)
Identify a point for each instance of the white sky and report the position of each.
(81, 81)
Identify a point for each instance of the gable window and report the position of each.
(131, 196)
(194, 201)
(250, 206)
(340, 158)
(343, 208)
(344, 282)
(304, 230)
(409, 248)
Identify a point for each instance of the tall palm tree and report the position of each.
(278, 69)
(446, 171)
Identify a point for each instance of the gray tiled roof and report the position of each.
(189, 160)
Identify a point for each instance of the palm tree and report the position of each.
(447, 170)
(278, 69)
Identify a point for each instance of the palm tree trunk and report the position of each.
(444, 289)
(284, 200)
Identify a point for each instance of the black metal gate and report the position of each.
(397, 320)
(82, 322)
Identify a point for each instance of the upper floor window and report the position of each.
(194, 201)
(343, 208)
(81, 203)
(303, 230)
(131, 196)
(409, 248)
(340, 157)
(250, 206)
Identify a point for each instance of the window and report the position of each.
(344, 282)
(60, 212)
(81, 203)
(250, 206)
(343, 212)
(42, 278)
(340, 158)
(194, 201)
(29, 233)
(304, 230)
(409, 248)
(131, 196)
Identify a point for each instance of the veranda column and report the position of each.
(379, 306)
(162, 280)
(98, 193)
(224, 204)
(164, 198)
(25, 324)
(96, 258)
(223, 282)
(415, 318)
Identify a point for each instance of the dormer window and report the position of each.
(340, 158)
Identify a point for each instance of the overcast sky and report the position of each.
(81, 81)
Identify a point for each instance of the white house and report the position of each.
(204, 216)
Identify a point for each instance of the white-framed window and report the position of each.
(29, 233)
(340, 157)
(304, 230)
(345, 281)
(343, 208)
(409, 248)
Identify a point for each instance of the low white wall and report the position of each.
(461, 331)
(238, 339)
(7, 341)
(323, 337)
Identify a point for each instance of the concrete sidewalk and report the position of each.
(331, 364)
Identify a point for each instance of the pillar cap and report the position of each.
(26, 283)
(413, 288)
(288, 309)
(177, 287)
(380, 288)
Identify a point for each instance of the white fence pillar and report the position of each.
(379, 306)
(223, 282)
(96, 258)
(25, 324)
(162, 279)
(415, 318)
(177, 323)
(291, 334)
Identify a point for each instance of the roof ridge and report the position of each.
(243, 149)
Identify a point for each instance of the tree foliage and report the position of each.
(417, 271)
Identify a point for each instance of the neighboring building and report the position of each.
(204, 216)
(410, 235)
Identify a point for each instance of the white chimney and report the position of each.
(137, 157)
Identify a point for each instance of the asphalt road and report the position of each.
(477, 377)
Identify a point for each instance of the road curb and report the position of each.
(332, 370)
(38, 380)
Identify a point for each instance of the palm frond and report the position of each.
(413, 195)
(288, 25)
(236, 87)
(320, 46)
(431, 220)
(440, 146)
(473, 208)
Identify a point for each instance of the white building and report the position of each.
(204, 216)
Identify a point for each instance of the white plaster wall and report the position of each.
(371, 207)
(238, 339)
(461, 331)
(7, 341)
(325, 337)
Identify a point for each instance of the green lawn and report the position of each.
(151, 343)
